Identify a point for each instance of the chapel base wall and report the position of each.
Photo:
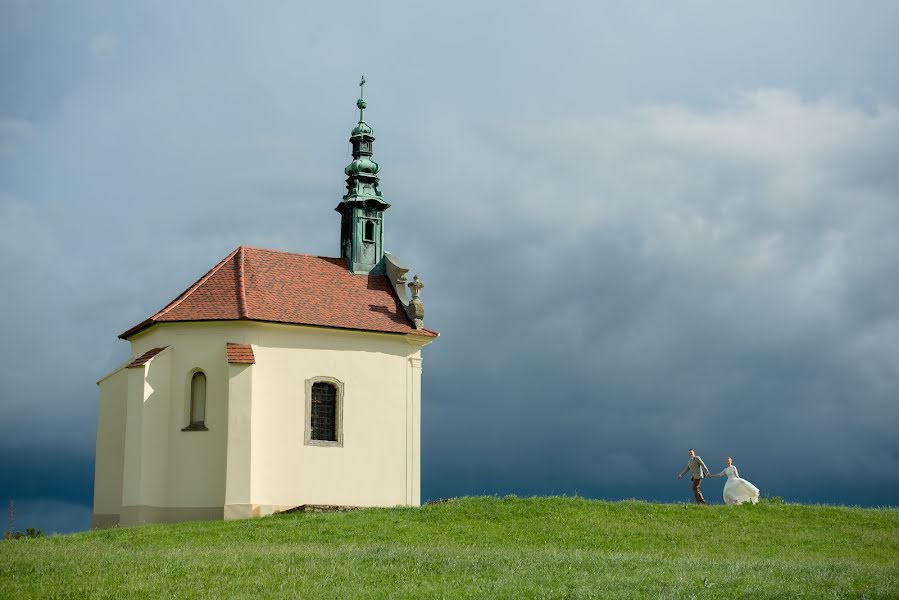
(104, 521)
(141, 515)
(250, 511)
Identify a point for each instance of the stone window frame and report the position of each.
(338, 412)
(190, 399)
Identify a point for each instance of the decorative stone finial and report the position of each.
(416, 308)
(416, 286)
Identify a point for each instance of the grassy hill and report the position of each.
(478, 548)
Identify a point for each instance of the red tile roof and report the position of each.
(240, 354)
(145, 357)
(280, 287)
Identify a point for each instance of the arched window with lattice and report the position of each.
(324, 412)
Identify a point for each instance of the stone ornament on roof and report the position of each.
(416, 309)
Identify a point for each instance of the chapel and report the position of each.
(275, 381)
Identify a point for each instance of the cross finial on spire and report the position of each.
(360, 103)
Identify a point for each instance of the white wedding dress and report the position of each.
(737, 490)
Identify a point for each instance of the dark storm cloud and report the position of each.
(659, 307)
(52, 487)
(640, 229)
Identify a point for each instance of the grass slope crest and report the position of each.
(479, 548)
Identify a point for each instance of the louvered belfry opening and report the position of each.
(324, 412)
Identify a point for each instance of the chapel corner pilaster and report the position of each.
(238, 465)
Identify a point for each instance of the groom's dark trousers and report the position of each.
(696, 491)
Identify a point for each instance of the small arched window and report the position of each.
(369, 234)
(197, 402)
(324, 412)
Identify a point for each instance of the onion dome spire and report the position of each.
(362, 172)
(362, 208)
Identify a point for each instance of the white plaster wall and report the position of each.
(371, 467)
(155, 433)
(238, 501)
(110, 443)
(132, 475)
(194, 461)
(146, 451)
(378, 464)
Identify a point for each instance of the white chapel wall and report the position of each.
(110, 446)
(371, 467)
(155, 434)
(378, 464)
(238, 500)
(194, 461)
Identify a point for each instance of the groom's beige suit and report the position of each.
(698, 470)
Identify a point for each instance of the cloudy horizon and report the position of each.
(641, 229)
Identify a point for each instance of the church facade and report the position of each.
(276, 380)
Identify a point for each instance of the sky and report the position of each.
(642, 227)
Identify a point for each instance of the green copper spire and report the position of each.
(362, 208)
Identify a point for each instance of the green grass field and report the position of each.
(478, 548)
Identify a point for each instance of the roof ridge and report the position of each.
(241, 284)
(196, 284)
(290, 253)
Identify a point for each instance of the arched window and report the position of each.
(369, 234)
(324, 412)
(197, 402)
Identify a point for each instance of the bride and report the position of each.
(736, 490)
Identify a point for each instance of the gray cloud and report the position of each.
(710, 278)
(641, 229)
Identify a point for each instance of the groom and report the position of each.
(698, 470)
